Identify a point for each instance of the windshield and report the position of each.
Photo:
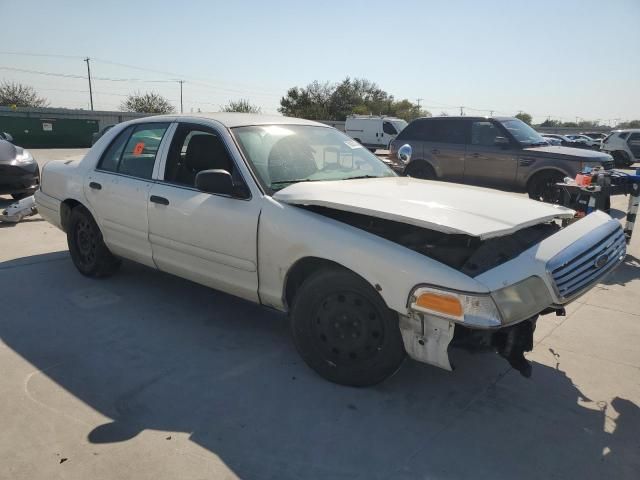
(523, 133)
(285, 154)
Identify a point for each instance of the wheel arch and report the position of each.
(303, 268)
(542, 170)
(65, 211)
(421, 162)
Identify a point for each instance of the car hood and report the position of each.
(555, 151)
(444, 207)
(8, 151)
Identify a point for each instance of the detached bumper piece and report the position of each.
(510, 342)
(19, 210)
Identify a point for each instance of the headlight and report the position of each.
(24, 157)
(469, 309)
(523, 299)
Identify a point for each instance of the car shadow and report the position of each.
(626, 272)
(154, 352)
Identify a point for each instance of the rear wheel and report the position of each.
(621, 159)
(421, 170)
(543, 187)
(344, 331)
(89, 253)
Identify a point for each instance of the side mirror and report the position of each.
(501, 141)
(404, 153)
(8, 137)
(214, 181)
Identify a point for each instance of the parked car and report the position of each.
(19, 172)
(6, 136)
(595, 135)
(499, 152)
(97, 135)
(624, 145)
(296, 216)
(552, 140)
(373, 132)
(588, 141)
(564, 140)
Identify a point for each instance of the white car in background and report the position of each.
(624, 146)
(588, 141)
(374, 132)
(296, 216)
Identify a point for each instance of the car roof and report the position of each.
(233, 119)
(466, 117)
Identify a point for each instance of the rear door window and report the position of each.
(452, 130)
(134, 151)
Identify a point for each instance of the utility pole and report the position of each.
(462, 111)
(491, 113)
(181, 82)
(418, 100)
(89, 77)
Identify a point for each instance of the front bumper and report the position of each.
(569, 263)
(19, 178)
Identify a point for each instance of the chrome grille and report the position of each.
(575, 269)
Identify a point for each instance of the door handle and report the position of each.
(435, 151)
(159, 200)
(95, 185)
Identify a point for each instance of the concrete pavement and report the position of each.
(148, 376)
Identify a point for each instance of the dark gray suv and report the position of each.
(500, 152)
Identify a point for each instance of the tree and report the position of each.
(550, 123)
(242, 105)
(325, 101)
(525, 117)
(631, 124)
(20, 95)
(149, 102)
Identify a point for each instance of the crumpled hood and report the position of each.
(444, 207)
(557, 151)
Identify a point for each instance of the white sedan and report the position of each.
(296, 216)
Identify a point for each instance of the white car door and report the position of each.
(118, 190)
(209, 239)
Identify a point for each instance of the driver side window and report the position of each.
(389, 129)
(484, 133)
(195, 148)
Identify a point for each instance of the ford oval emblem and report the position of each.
(601, 261)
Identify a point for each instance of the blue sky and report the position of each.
(562, 58)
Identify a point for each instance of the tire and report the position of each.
(621, 159)
(344, 331)
(421, 170)
(542, 186)
(90, 255)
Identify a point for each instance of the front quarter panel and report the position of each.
(288, 234)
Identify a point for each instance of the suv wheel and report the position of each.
(622, 159)
(543, 187)
(344, 331)
(421, 170)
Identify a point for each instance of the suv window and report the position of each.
(416, 130)
(134, 151)
(624, 135)
(388, 128)
(484, 133)
(195, 148)
(448, 131)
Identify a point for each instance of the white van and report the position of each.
(373, 132)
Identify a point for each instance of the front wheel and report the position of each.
(344, 331)
(542, 187)
(88, 251)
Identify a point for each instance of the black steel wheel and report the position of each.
(89, 253)
(421, 170)
(542, 187)
(344, 330)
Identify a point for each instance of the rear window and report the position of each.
(450, 130)
(416, 130)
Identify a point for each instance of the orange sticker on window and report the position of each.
(138, 149)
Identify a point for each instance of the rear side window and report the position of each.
(134, 151)
(416, 130)
(624, 135)
(449, 131)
